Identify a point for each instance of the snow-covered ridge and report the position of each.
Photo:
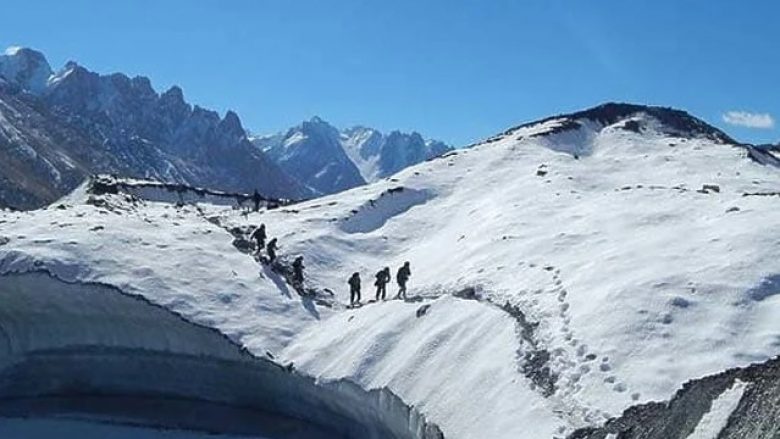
(673, 121)
(572, 132)
(150, 190)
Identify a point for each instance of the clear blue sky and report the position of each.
(451, 69)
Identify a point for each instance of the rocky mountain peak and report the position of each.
(231, 124)
(173, 95)
(25, 67)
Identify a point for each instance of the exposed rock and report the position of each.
(755, 416)
(421, 311)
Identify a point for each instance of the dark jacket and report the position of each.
(258, 234)
(403, 274)
(382, 277)
(354, 282)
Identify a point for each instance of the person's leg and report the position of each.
(384, 291)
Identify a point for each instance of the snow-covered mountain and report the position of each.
(330, 160)
(312, 153)
(58, 127)
(380, 155)
(600, 260)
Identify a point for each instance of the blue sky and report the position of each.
(455, 70)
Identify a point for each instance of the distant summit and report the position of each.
(330, 160)
(669, 120)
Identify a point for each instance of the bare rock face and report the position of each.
(745, 401)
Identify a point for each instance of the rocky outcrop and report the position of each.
(736, 404)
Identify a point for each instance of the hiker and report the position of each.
(354, 289)
(257, 198)
(297, 266)
(382, 278)
(402, 277)
(259, 237)
(270, 250)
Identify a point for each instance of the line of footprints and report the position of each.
(573, 360)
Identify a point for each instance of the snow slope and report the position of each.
(599, 232)
(561, 272)
(114, 298)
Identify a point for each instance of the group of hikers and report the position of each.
(259, 237)
(382, 277)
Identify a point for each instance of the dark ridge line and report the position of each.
(611, 112)
(101, 184)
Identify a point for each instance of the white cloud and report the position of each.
(750, 120)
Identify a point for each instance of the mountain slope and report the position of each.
(626, 275)
(561, 272)
(116, 124)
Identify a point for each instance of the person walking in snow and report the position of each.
(259, 237)
(297, 266)
(382, 278)
(402, 277)
(270, 250)
(354, 289)
(256, 198)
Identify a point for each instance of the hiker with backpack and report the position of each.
(402, 277)
(270, 250)
(382, 278)
(354, 289)
(297, 266)
(258, 235)
(256, 198)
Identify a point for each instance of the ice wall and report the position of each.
(91, 351)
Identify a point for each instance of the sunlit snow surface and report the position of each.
(638, 281)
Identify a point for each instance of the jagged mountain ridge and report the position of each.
(331, 160)
(59, 127)
(312, 152)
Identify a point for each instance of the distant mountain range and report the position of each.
(56, 128)
(330, 160)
